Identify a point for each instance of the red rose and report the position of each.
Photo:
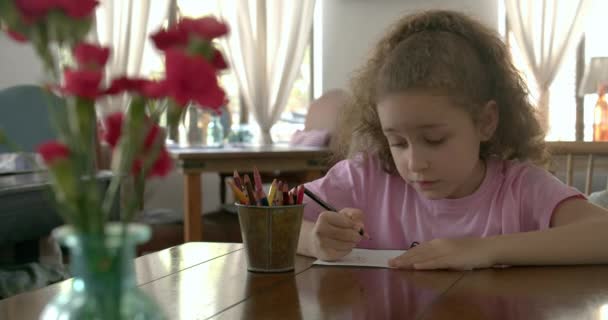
(53, 151)
(207, 27)
(32, 10)
(113, 128)
(170, 38)
(16, 36)
(192, 79)
(78, 9)
(162, 165)
(218, 61)
(146, 88)
(82, 83)
(154, 89)
(122, 84)
(87, 54)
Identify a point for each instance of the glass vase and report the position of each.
(201, 128)
(104, 285)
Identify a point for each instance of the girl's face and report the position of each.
(434, 143)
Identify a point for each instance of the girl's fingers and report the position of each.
(337, 244)
(409, 259)
(357, 217)
(337, 233)
(334, 254)
(438, 263)
(336, 219)
(441, 263)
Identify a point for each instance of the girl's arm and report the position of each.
(578, 236)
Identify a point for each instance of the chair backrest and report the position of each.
(580, 164)
(323, 112)
(25, 116)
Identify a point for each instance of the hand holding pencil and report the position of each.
(335, 234)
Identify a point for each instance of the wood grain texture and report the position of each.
(208, 289)
(211, 281)
(347, 293)
(527, 293)
(148, 268)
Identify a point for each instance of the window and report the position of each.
(562, 96)
(294, 114)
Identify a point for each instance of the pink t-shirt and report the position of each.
(513, 197)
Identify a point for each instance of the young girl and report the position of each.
(442, 149)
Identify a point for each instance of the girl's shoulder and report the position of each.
(525, 172)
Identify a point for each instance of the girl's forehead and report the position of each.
(420, 103)
(419, 110)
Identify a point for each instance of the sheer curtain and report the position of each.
(125, 26)
(545, 30)
(265, 49)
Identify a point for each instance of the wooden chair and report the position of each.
(566, 164)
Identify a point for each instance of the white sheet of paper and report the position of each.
(364, 258)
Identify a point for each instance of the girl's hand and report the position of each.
(458, 254)
(335, 234)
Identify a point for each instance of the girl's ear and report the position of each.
(488, 120)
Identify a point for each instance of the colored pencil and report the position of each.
(238, 194)
(252, 200)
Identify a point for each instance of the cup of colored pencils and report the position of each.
(270, 221)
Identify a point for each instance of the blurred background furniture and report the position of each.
(192, 162)
(25, 119)
(319, 127)
(583, 165)
(25, 116)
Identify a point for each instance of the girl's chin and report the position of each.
(431, 194)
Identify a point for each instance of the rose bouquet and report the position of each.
(192, 63)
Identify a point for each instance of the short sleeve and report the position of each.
(339, 188)
(541, 193)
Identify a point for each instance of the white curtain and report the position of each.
(545, 30)
(265, 49)
(125, 26)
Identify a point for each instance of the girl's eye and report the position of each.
(435, 142)
(397, 144)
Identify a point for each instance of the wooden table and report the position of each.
(210, 281)
(194, 161)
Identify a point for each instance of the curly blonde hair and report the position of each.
(451, 53)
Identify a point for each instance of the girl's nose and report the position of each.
(417, 160)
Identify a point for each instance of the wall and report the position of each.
(351, 27)
(18, 63)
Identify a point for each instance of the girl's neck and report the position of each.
(477, 177)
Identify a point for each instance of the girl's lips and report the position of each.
(426, 184)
